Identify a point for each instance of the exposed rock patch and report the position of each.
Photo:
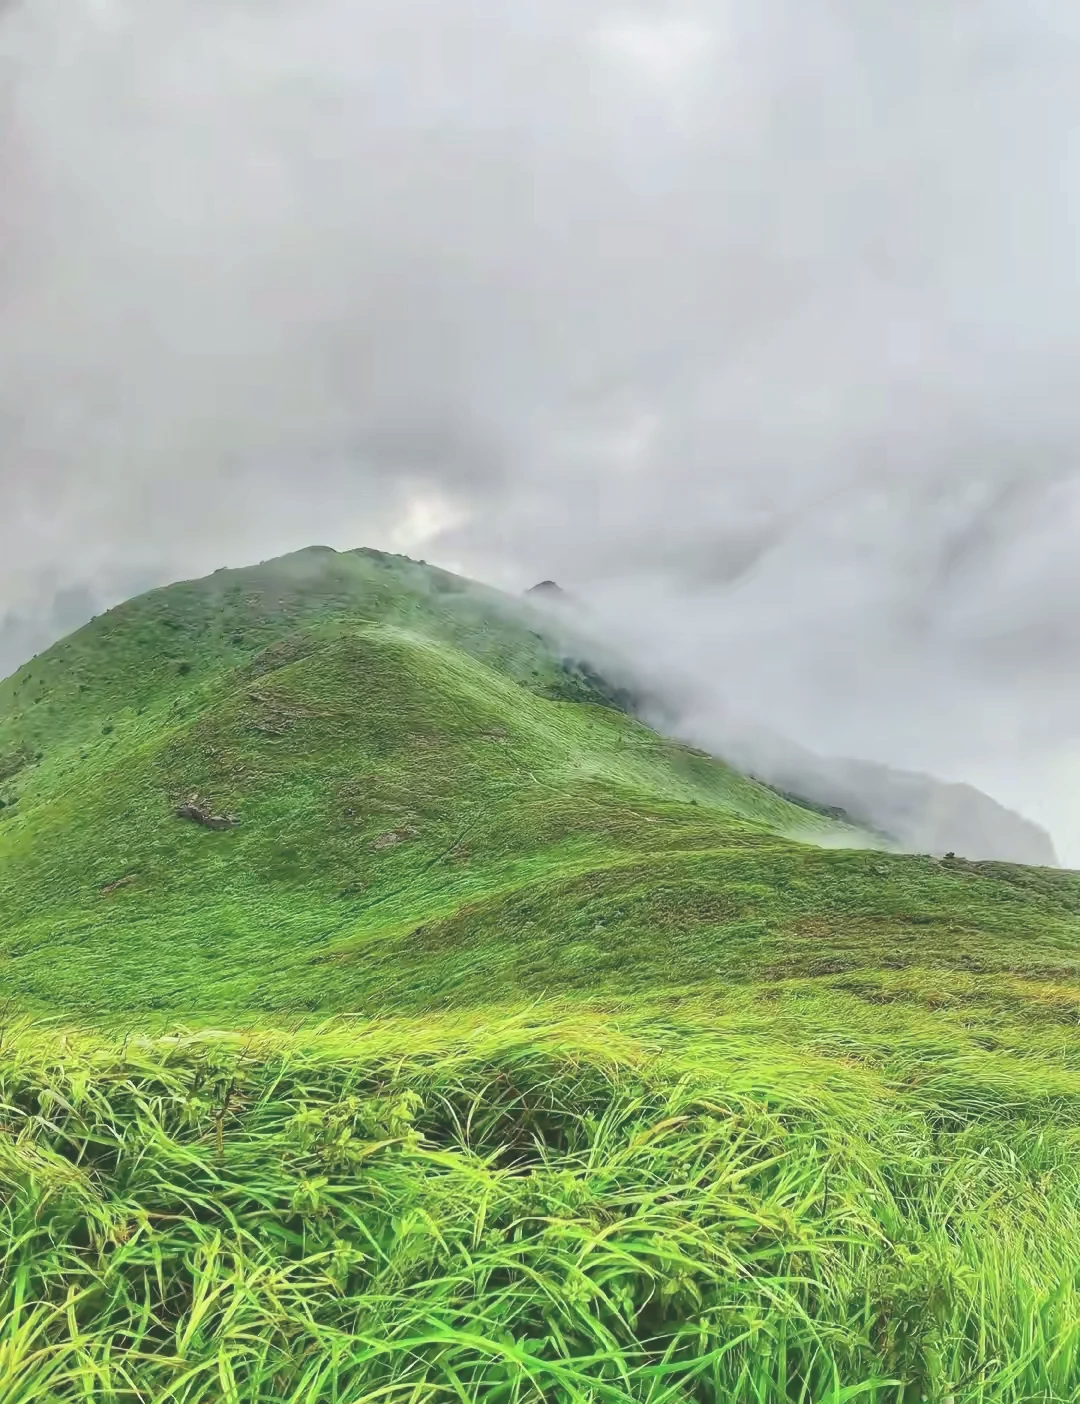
(395, 836)
(120, 882)
(15, 759)
(198, 811)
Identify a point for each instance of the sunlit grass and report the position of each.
(527, 1208)
(525, 1056)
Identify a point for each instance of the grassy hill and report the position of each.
(494, 1047)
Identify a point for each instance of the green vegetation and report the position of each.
(501, 1050)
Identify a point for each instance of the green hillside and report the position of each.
(390, 1015)
(391, 743)
(420, 818)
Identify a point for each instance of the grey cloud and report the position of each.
(757, 322)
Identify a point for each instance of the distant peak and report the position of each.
(546, 587)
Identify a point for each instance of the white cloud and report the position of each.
(426, 517)
(667, 50)
(764, 313)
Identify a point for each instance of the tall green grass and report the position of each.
(786, 1125)
(527, 1209)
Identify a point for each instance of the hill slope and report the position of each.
(643, 1085)
(381, 778)
(421, 816)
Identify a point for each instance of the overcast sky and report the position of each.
(757, 323)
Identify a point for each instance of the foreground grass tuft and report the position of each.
(523, 1209)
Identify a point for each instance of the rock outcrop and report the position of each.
(198, 811)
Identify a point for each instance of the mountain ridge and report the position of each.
(916, 811)
(920, 812)
(400, 749)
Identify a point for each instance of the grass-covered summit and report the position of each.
(393, 754)
(390, 1016)
(434, 801)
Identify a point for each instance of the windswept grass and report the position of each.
(783, 1123)
(525, 1208)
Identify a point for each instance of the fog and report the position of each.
(757, 325)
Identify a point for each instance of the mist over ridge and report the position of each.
(756, 327)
